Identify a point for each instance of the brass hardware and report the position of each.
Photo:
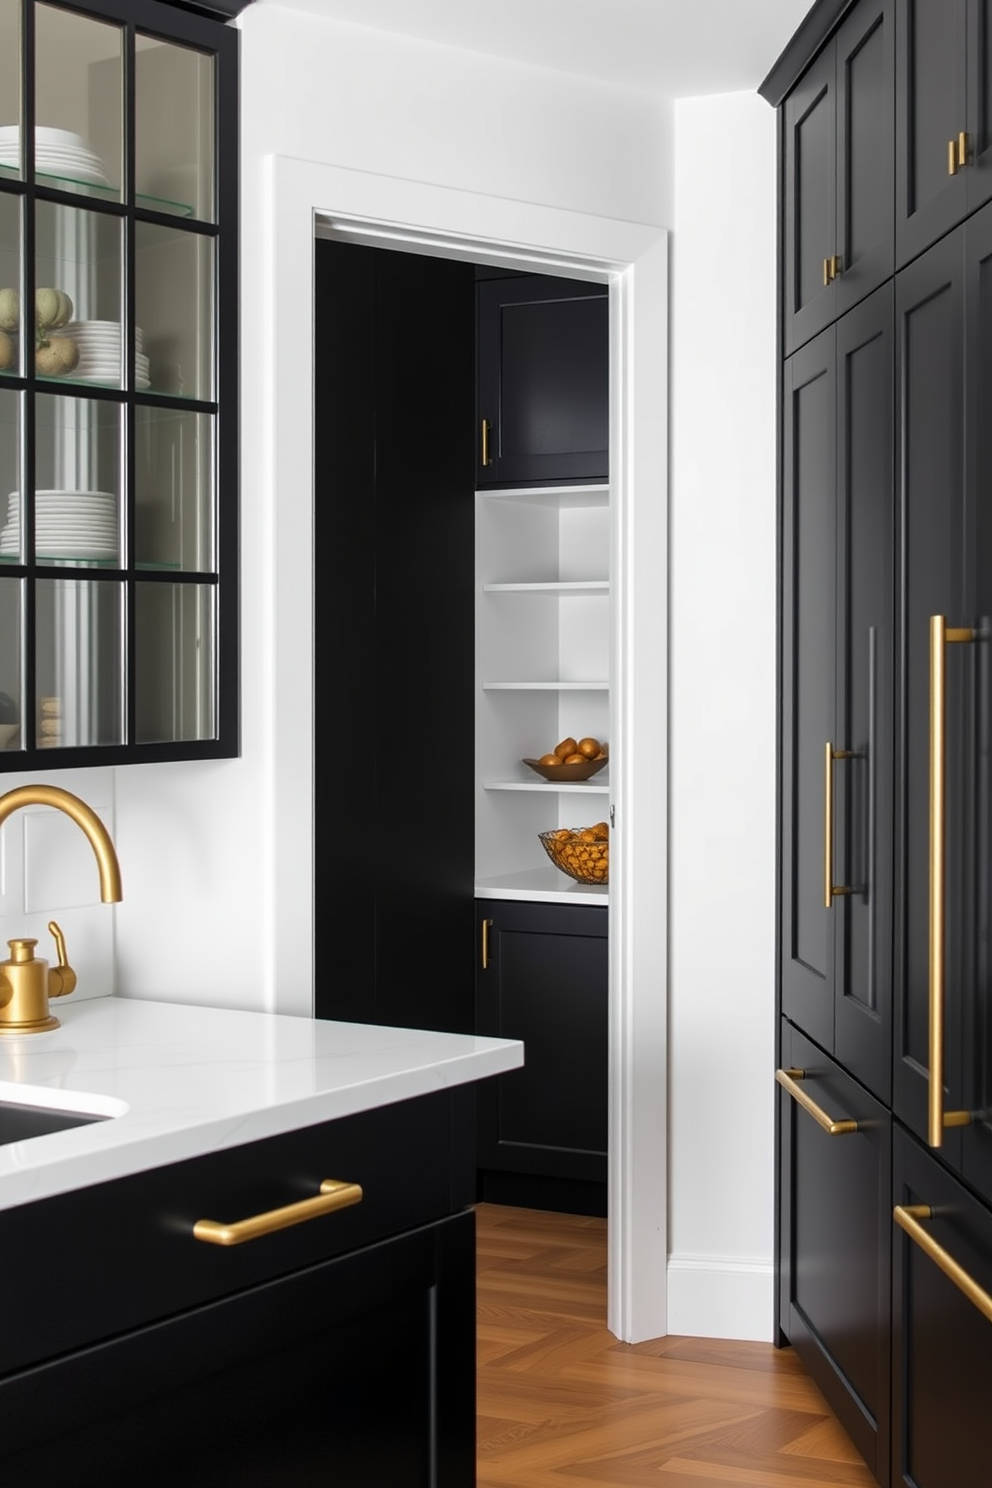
(26, 981)
(826, 272)
(908, 1217)
(835, 267)
(940, 636)
(962, 149)
(486, 427)
(84, 817)
(831, 891)
(788, 1078)
(486, 927)
(952, 158)
(333, 1195)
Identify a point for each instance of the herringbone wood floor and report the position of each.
(563, 1404)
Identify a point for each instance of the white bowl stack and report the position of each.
(57, 152)
(99, 343)
(68, 524)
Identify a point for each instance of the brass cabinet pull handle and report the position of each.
(941, 635)
(788, 1078)
(333, 1195)
(826, 272)
(486, 927)
(957, 153)
(908, 1217)
(831, 890)
(486, 427)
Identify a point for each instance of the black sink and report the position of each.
(18, 1122)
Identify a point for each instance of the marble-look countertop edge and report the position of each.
(193, 1080)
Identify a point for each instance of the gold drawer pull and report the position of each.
(333, 1195)
(787, 1078)
(908, 1217)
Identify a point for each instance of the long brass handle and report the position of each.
(908, 1217)
(788, 1079)
(952, 157)
(831, 891)
(826, 272)
(486, 426)
(941, 635)
(333, 1195)
(486, 927)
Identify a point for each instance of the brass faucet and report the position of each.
(26, 982)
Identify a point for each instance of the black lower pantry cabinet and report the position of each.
(337, 1351)
(542, 977)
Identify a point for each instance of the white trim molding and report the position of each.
(721, 1297)
(305, 198)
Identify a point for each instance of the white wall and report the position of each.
(722, 730)
(202, 851)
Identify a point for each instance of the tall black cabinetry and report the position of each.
(884, 726)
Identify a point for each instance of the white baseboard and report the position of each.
(720, 1297)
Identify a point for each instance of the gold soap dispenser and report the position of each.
(28, 981)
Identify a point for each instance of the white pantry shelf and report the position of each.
(545, 686)
(579, 787)
(565, 589)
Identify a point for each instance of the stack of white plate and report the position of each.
(68, 524)
(57, 152)
(99, 343)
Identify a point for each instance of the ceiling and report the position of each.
(677, 48)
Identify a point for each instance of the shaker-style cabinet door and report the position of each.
(837, 682)
(936, 683)
(543, 403)
(943, 124)
(542, 976)
(941, 1327)
(839, 142)
(833, 1243)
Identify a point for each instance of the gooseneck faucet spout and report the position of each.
(85, 818)
(27, 981)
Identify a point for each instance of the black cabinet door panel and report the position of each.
(930, 359)
(942, 1345)
(543, 379)
(834, 1245)
(931, 63)
(546, 983)
(864, 781)
(359, 1370)
(809, 602)
(810, 201)
(865, 96)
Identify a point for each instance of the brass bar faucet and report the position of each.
(26, 982)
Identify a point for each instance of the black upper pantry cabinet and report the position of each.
(118, 382)
(542, 380)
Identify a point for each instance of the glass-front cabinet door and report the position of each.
(118, 383)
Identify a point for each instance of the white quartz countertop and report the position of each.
(178, 1081)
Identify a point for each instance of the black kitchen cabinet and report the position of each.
(395, 538)
(884, 538)
(942, 1325)
(838, 179)
(542, 381)
(943, 127)
(542, 1130)
(119, 549)
(340, 1349)
(835, 1221)
(837, 690)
